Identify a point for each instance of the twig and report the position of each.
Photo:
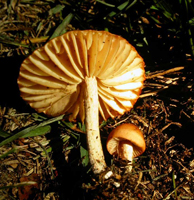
(182, 111)
(171, 123)
(153, 93)
(116, 124)
(165, 127)
(141, 120)
(173, 192)
(18, 185)
(156, 75)
(165, 72)
(139, 179)
(188, 171)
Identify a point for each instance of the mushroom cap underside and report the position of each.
(129, 134)
(51, 79)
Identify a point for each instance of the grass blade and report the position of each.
(123, 5)
(8, 152)
(48, 158)
(38, 131)
(17, 135)
(6, 40)
(134, 2)
(31, 130)
(3, 133)
(174, 184)
(55, 119)
(106, 4)
(58, 8)
(61, 29)
(84, 156)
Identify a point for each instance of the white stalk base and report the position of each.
(95, 151)
(126, 152)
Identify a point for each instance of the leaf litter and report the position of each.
(50, 161)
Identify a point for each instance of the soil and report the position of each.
(55, 166)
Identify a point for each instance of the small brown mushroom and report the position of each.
(84, 73)
(126, 141)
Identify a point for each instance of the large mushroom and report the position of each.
(83, 73)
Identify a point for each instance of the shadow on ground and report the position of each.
(9, 92)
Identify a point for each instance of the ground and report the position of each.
(51, 161)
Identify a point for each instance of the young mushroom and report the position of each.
(126, 141)
(82, 74)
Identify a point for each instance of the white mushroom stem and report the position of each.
(126, 152)
(96, 154)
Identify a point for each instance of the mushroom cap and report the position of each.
(51, 79)
(129, 134)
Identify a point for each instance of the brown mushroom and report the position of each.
(83, 73)
(126, 141)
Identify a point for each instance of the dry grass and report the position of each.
(53, 164)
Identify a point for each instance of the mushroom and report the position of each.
(82, 74)
(126, 141)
